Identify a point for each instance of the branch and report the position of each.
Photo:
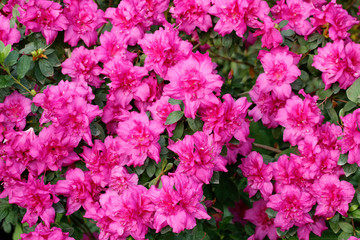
(267, 148)
(230, 59)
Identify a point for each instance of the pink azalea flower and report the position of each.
(43, 16)
(193, 80)
(83, 67)
(332, 195)
(280, 70)
(258, 175)
(199, 156)
(267, 106)
(44, 233)
(270, 36)
(130, 213)
(163, 49)
(299, 117)
(256, 11)
(317, 227)
(113, 45)
(9, 6)
(140, 136)
(177, 203)
(161, 109)
(191, 14)
(14, 110)
(84, 19)
(76, 187)
(293, 207)
(264, 225)
(8, 35)
(231, 16)
(296, 12)
(126, 77)
(37, 198)
(351, 139)
(121, 179)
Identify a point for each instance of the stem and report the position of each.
(267, 148)
(230, 59)
(15, 80)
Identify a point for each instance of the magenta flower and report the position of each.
(231, 16)
(43, 16)
(45, 233)
(299, 117)
(293, 207)
(351, 139)
(280, 70)
(139, 137)
(161, 109)
(163, 49)
(14, 110)
(193, 80)
(264, 225)
(37, 198)
(258, 175)
(270, 36)
(332, 195)
(84, 19)
(177, 203)
(317, 227)
(8, 35)
(192, 14)
(199, 156)
(76, 187)
(121, 179)
(82, 66)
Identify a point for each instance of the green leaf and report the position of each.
(150, 169)
(227, 41)
(178, 132)
(344, 236)
(6, 227)
(174, 101)
(11, 58)
(350, 169)
(168, 167)
(6, 51)
(271, 213)
(2, 46)
(287, 33)
(342, 159)
(304, 76)
(355, 214)
(346, 227)
(353, 92)
(23, 66)
(334, 226)
(302, 49)
(324, 94)
(6, 81)
(46, 68)
(174, 117)
(17, 232)
(38, 75)
(54, 60)
(283, 23)
(59, 208)
(28, 48)
(333, 115)
(195, 124)
(4, 212)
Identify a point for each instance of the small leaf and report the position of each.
(11, 58)
(344, 236)
(353, 92)
(304, 76)
(174, 117)
(59, 208)
(6, 51)
(287, 33)
(169, 166)
(178, 132)
(195, 124)
(28, 48)
(271, 213)
(302, 49)
(174, 101)
(227, 41)
(342, 159)
(6, 81)
(346, 227)
(283, 23)
(150, 169)
(38, 75)
(46, 68)
(335, 227)
(17, 232)
(23, 66)
(356, 214)
(350, 169)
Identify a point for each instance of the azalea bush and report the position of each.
(158, 119)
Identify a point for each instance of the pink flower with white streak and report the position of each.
(43, 16)
(177, 203)
(84, 19)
